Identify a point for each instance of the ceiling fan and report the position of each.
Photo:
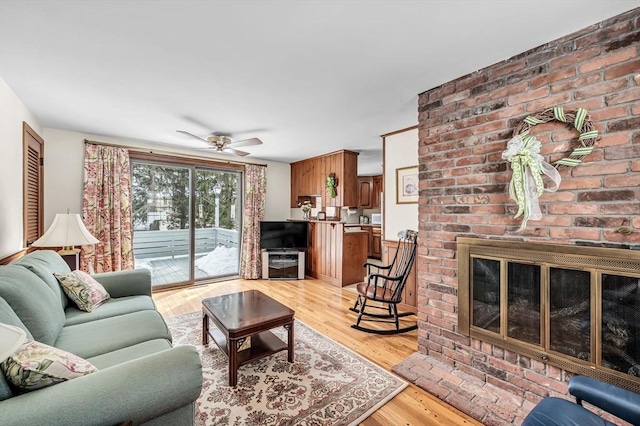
(222, 142)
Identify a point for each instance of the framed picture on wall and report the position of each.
(407, 185)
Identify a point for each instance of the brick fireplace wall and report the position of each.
(464, 126)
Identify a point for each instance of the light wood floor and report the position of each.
(326, 309)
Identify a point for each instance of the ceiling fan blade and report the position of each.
(235, 151)
(192, 135)
(244, 142)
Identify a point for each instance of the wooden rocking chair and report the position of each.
(384, 284)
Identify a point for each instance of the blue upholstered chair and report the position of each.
(613, 399)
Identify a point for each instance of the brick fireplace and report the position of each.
(464, 126)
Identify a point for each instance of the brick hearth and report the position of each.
(482, 400)
(464, 126)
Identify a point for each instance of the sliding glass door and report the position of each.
(187, 222)
(217, 224)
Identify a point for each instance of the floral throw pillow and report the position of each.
(36, 365)
(85, 291)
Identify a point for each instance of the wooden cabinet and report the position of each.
(378, 187)
(336, 256)
(345, 165)
(365, 192)
(305, 180)
(375, 241)
(409, 295)
(369, 246)
(369, 189)
(308, 178)
(296, 186)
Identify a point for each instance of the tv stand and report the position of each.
(282, 264)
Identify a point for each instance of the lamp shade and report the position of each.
(67, 230)
(11, 337)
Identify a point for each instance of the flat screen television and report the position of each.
(284, 235)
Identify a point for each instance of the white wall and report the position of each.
(64, 158)
(12, 113)
(63, 171)
(400, 150)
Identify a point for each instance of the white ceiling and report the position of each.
(308, 77)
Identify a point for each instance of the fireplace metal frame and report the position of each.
(596, 260)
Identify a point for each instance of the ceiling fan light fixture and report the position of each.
(224, 143)
(219, 141)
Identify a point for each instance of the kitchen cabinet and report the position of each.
(369, 189)
(334, 255)
(308, 178)
(365, 192)
(305, 181)
(296, 185)
(376, 200)
(345, 165)
(375, 241)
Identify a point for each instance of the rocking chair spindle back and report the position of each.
(385, 284)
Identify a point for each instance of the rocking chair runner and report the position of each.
(387, 289)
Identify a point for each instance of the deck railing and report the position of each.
(159, 244)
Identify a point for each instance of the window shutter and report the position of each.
(33, 146)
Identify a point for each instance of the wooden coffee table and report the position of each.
(246, 315)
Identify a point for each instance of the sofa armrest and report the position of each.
(133, 282)
(136, 391)
(611, 398)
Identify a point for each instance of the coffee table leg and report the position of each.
(233, 362)
(290, 342)
(205, 329)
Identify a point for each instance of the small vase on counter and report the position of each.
(306, 209)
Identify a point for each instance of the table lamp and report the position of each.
(11, 337)
(66, 231)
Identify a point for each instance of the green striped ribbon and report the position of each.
(583, 150)
(581, 114)
(558, 113)
(519, 164)
(588, 135)
(571, 162)
(533, 120)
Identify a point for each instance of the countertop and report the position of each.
(336, 222)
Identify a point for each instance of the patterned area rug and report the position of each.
(327, 384)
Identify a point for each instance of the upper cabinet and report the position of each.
(376, 196)
(365, 192)
(369, 189)
(308, 178)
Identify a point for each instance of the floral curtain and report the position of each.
(254, 197)
(106, 208)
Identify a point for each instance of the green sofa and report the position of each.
(142, 379)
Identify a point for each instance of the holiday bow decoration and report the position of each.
(523, 152)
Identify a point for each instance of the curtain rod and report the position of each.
(152, 151)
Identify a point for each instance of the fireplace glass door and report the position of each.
(578, 310)
(621, 323)
(570, 312)
(523, 302)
